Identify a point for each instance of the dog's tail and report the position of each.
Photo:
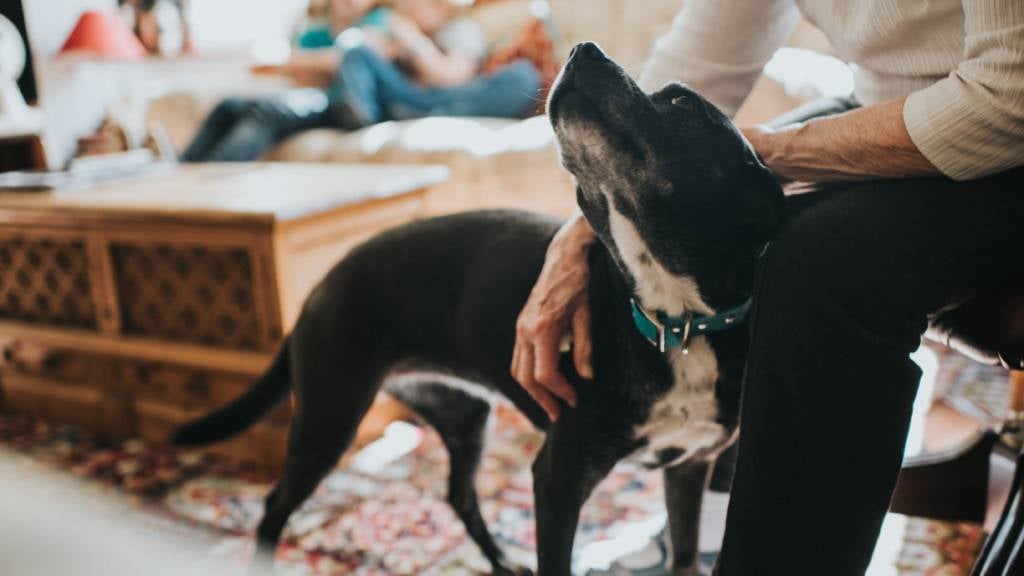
(243, 411)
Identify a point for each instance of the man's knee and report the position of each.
(825, 259)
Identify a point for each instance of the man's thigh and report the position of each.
(927, 243)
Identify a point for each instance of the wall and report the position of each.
(50, 22)
(219, 25)
(626, 29)
(77, 93)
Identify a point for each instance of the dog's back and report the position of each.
(438, 294)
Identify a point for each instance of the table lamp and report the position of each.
(103, 33)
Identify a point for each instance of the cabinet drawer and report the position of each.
(188, 389)
(68, 367)
(80, 406)
(263, 443)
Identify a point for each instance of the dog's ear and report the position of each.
(765, 201)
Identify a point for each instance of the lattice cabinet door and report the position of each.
(189, 293)
(77, 305)
(45, 278)
(137, 286)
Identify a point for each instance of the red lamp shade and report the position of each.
(103, 34)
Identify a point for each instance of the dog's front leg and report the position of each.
(564, 474)
(684, 493)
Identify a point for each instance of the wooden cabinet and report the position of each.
(129, 308)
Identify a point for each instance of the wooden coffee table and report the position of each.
(129, 307)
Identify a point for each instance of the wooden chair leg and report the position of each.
(1001, 555)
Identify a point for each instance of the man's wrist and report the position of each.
(869, 142)
(577, 232)
(770, 145)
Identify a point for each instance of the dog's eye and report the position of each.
(682, 102)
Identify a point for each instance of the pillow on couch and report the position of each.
(520, 29)
(533, 43)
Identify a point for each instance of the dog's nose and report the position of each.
(590, 51)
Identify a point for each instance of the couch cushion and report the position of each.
(494, 162)
(413, 140)
(536, 45)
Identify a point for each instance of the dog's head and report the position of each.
(668, 183)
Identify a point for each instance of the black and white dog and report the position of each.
(428, 311)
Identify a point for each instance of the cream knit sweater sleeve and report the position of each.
(971, 123)
(960, 64)
(719, 47)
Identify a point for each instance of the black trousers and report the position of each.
(842, 298)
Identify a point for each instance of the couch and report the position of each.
(494, 162)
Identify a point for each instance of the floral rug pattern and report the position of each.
(394, 520)
(391, 521)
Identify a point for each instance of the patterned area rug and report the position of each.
(384, 512)
(383, 517)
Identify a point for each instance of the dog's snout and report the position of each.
(588, 51)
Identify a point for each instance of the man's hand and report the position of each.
(557, 303)
(408, 36)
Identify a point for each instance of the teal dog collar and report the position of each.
(666, 331)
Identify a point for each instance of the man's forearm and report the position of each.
(432, 66)
(870, 142)
(435, 68)
(444, 70)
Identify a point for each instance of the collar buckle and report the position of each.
(687, 331)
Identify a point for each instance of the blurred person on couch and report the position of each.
(369, 63)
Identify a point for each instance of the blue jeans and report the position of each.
(376, 90)
(368, 89)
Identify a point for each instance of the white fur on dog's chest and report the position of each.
(685, 417)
